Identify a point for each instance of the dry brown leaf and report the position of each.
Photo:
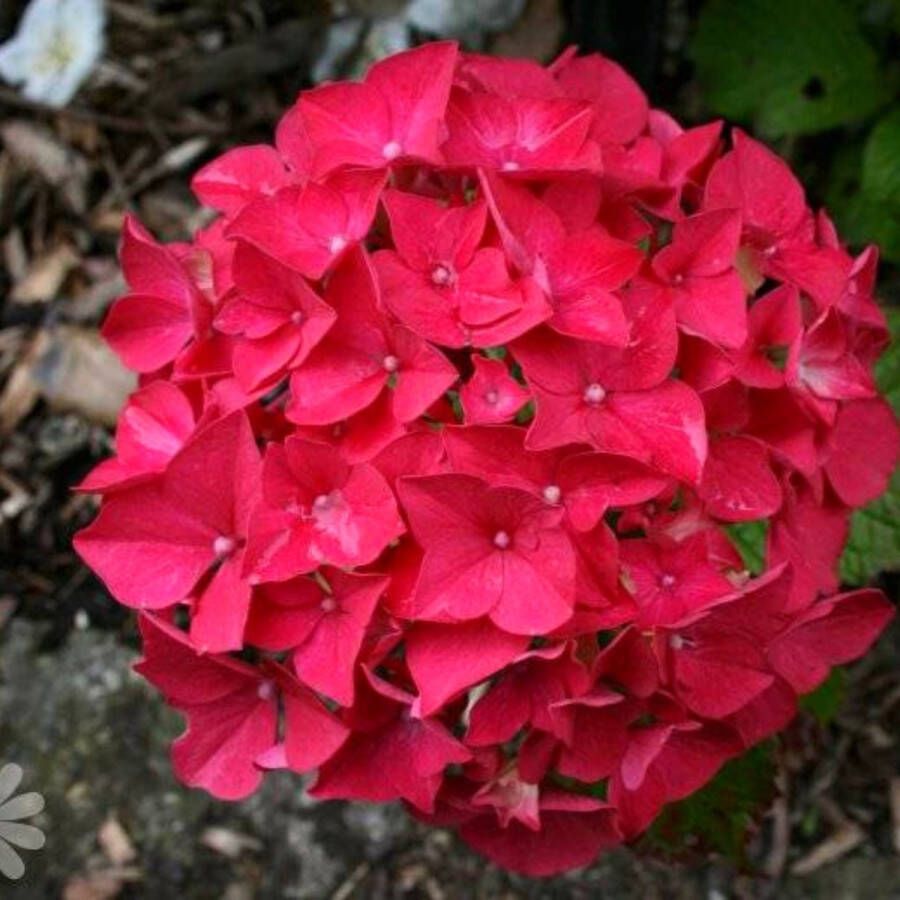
(108, 221)
(228, 843)
(171, 217)
(21, 392)
(6, 178)
(182, 155)
(81, 133)
(87, 303)
(411, 876)
(45, 275)
(844, 839)
(115, 842)
(16, 499)
(102, 885)
(76, 372)
(94, 886)
(14, 254)
(7, 608)
(239, 890)
(37, 149)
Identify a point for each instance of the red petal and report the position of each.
(446, 659)
(238, 176)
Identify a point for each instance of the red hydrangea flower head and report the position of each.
(442, 427)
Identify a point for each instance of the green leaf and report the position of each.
(864, 220)
(863, 217)
(787, 66)
(826, 700)
(719, 816)
(874, 542)
(881, 160)
(525, 414)
(887, 369)
(454, 401)
(750, 540)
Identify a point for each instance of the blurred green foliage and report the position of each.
(787, 66)
(719, 817)
(750, 540)
(826, 700)
(791, 69)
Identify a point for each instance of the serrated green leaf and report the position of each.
(794, 67)
(750, 540)
(874, 542)
(826, 700)
(718, 817)
(887, 369)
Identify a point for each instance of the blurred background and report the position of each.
(112, 114)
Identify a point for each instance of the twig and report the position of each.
(846, 838)
(291, 45)
(112, 122)
(353, 881)
(895, 813)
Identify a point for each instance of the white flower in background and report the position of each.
(12, 832)
(55, 48)
(457, 18)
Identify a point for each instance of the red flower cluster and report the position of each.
(442, 425)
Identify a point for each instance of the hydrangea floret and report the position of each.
(444, 426)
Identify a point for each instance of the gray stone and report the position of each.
(93, 739)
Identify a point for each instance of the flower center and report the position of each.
(492, 397)
(266, 690)
(333, 517)
(297, 317)
(510, 166)
(58, 56)
(594, 394)
(666, 580)
(224, 546)
(328, 604)
(337, 243)
(325, 502)
(391, 150)
(502, 540)
(442, 274)
(552, 493)
(390, 363)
